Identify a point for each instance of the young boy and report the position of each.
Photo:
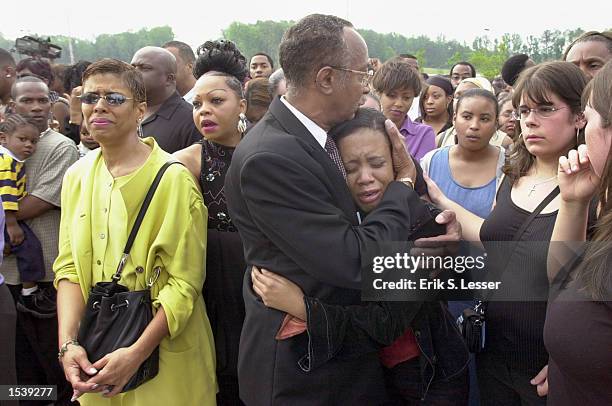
(18, 139)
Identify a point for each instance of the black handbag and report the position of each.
(472, 321)
(116, 317)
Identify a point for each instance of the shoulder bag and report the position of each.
(116, 317)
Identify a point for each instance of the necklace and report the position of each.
(533, 187)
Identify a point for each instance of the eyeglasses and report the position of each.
(365, 80)
(511, 114)
(540, 111)
(113, 99)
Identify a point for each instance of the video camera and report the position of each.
(38, 47)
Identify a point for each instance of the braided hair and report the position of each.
(14, 121)
(222, 58)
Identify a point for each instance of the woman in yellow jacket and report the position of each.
(101, 196)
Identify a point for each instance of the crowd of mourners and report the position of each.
(252, 246)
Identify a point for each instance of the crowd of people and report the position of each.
(252, 246)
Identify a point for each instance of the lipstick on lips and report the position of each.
(99, 122)
(208, 126)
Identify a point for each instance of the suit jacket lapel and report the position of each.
(293, 126)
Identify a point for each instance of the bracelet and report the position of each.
(64, 347)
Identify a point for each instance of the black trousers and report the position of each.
(36, 353)
(502, 384)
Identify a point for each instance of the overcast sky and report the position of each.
(197, 21)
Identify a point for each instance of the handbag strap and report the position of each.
(143, 210)
(535, 213)
(519, 233)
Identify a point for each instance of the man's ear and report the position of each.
(454, 118)
(325, 80)
(171, 78)
(3, 139)
(243, 106)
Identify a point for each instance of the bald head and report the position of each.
(160, 56)
(158, 69)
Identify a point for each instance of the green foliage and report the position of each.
(121, 46)
(264, 36)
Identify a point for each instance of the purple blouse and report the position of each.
(419, 138)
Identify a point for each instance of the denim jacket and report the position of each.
(349, 331)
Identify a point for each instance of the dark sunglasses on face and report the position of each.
(113, 99)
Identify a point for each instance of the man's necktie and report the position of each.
(332, 151)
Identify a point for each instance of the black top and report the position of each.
(514, 329)
(225, 264)
(578, 336)
(172, 125)
(215, 162)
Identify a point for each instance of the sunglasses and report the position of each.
(113, 99)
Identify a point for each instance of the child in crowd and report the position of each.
(19, 136)
(397, 84)
(87, 143)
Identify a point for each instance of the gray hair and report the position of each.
(275, 79)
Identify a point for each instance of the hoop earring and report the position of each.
(242, 123)
(139, 130)
(577, 136)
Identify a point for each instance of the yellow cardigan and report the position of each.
(173, 237)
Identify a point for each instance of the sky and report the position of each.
(197, 21)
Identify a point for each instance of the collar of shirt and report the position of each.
(317, 132)
(407, 127)
(167, 109)
(189, 95)
(6, 151)
(47, 131)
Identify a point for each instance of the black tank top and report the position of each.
(515, 329)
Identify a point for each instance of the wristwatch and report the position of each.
(407, 181)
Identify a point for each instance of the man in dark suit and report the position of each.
(287, 196)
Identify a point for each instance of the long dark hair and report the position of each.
(563, 79)
(594, 272)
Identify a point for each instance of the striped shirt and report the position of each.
(12, 180)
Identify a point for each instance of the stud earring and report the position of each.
(242, 123)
